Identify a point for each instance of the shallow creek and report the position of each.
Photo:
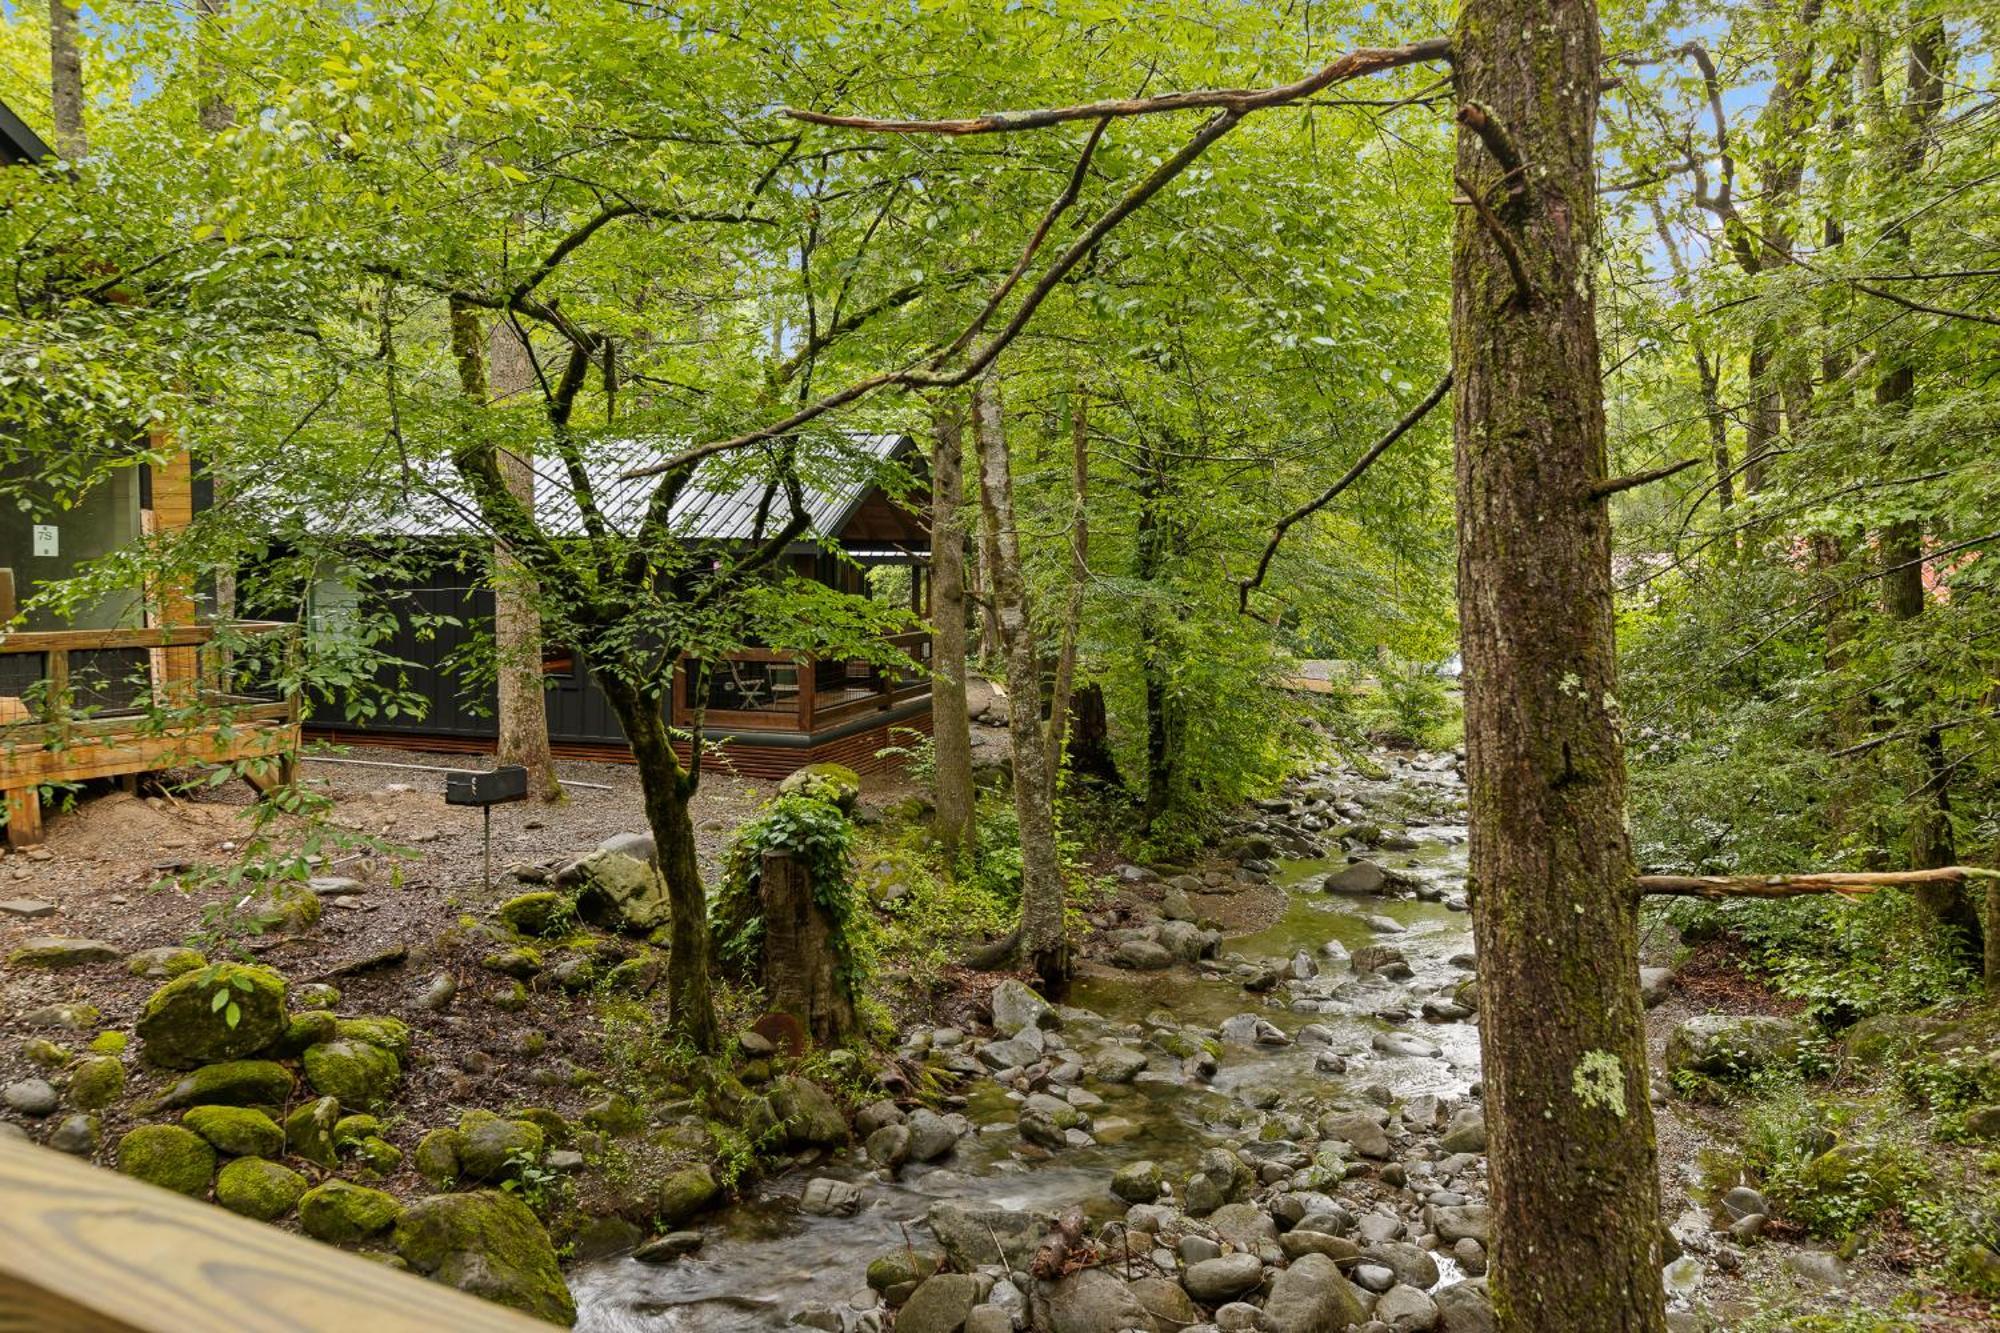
(763, 1260)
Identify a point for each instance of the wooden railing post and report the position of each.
(808, 693)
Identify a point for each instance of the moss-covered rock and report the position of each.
(1727, 1046)
(291, 910)
(237, 1130)
(257, 1188)
(351, 1129)
(168, 1156)
(489, 1244)
(110, 1043)
(436, 1157)
(555, 1129)
(62, 951)
(316, 995)
(343, 1213)
(233, 1083)
(614, 1114)
(541, 913)
(686, 1192)
(181, 1026)
(491, 1148)
(362, 1077)
(391, 1034)
(306, 1030)
(95, 1082)
(309, 1131)
(377, 1155)
(806, 1112)
(835, 784)
(522, 963)
(165, 964)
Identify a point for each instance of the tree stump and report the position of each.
(801, 968)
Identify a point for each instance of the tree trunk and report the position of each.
(801, 970)
(1090, 736)
(1575, 1185)
(950, 727)
(1902, 543)
(1079, 574)
(1043, 940)
(216, 114)
(668, 791)
(66, 82)
(517, 624)
(1147, 546)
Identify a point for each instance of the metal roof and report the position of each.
(720, 503)
(18, 143)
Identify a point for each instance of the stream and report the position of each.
(763, 1261)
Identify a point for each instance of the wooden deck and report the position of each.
(83, 704)
(85, 1250)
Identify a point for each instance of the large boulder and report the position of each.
(492, 1148)
(1464, 1307)
(168, 1156)
(341, 1213)
(1091, 1300)
(182, 1026)
(362, 1077)
(974, 1236)
(940, 1304)
(1362, 879)
(835, 784)
(258, 1189)
(237, 1130)
(684, 1193)
(1726, 1045)
(1016, 1007)
(1311, 1296)
(232, 1083)
(807, 1113)
(621, 892)
(489, 1244)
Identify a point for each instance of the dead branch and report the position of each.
(1353, 474)
(1851, 884)
(1482, 122)
(1613, 485)
(1242, 101)
(1510, 249)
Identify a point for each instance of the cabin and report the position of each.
(135, 682)
(765, 713)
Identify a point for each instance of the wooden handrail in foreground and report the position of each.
(1852, 883)
(85, 1250)
(164, 636)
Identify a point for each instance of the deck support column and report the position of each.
(24, 816)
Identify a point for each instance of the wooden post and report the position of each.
(808, 685)
(24, 816)
(9, 605)
(172, 601)
(801, 971)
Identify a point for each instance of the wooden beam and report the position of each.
(84, 1250)
(9, 603)
(172, 600)
(108, 756)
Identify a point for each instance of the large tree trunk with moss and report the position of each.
(1079, 575)
(522, 707)
(668, 790)
(1043, 942)
(66, 82)
(1902, 544)
(1575, 1189)
(802, 975)
(950, 727)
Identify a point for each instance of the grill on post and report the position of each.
(498, 786)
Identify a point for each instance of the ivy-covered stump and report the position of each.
(786, 907)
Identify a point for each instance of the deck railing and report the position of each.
(761, 689)
(97, 703)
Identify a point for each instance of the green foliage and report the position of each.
(822, 838)
(1846, 959)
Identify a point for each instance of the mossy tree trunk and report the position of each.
(950, 727)
(66, 82)
(1575, 1189)
(668, 788)
(1043, 943)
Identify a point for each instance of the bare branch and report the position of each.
(1242, 101)
(1613, 485)
(1849, 883)
(1326, 497)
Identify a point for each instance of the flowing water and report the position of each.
(763, 1260)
